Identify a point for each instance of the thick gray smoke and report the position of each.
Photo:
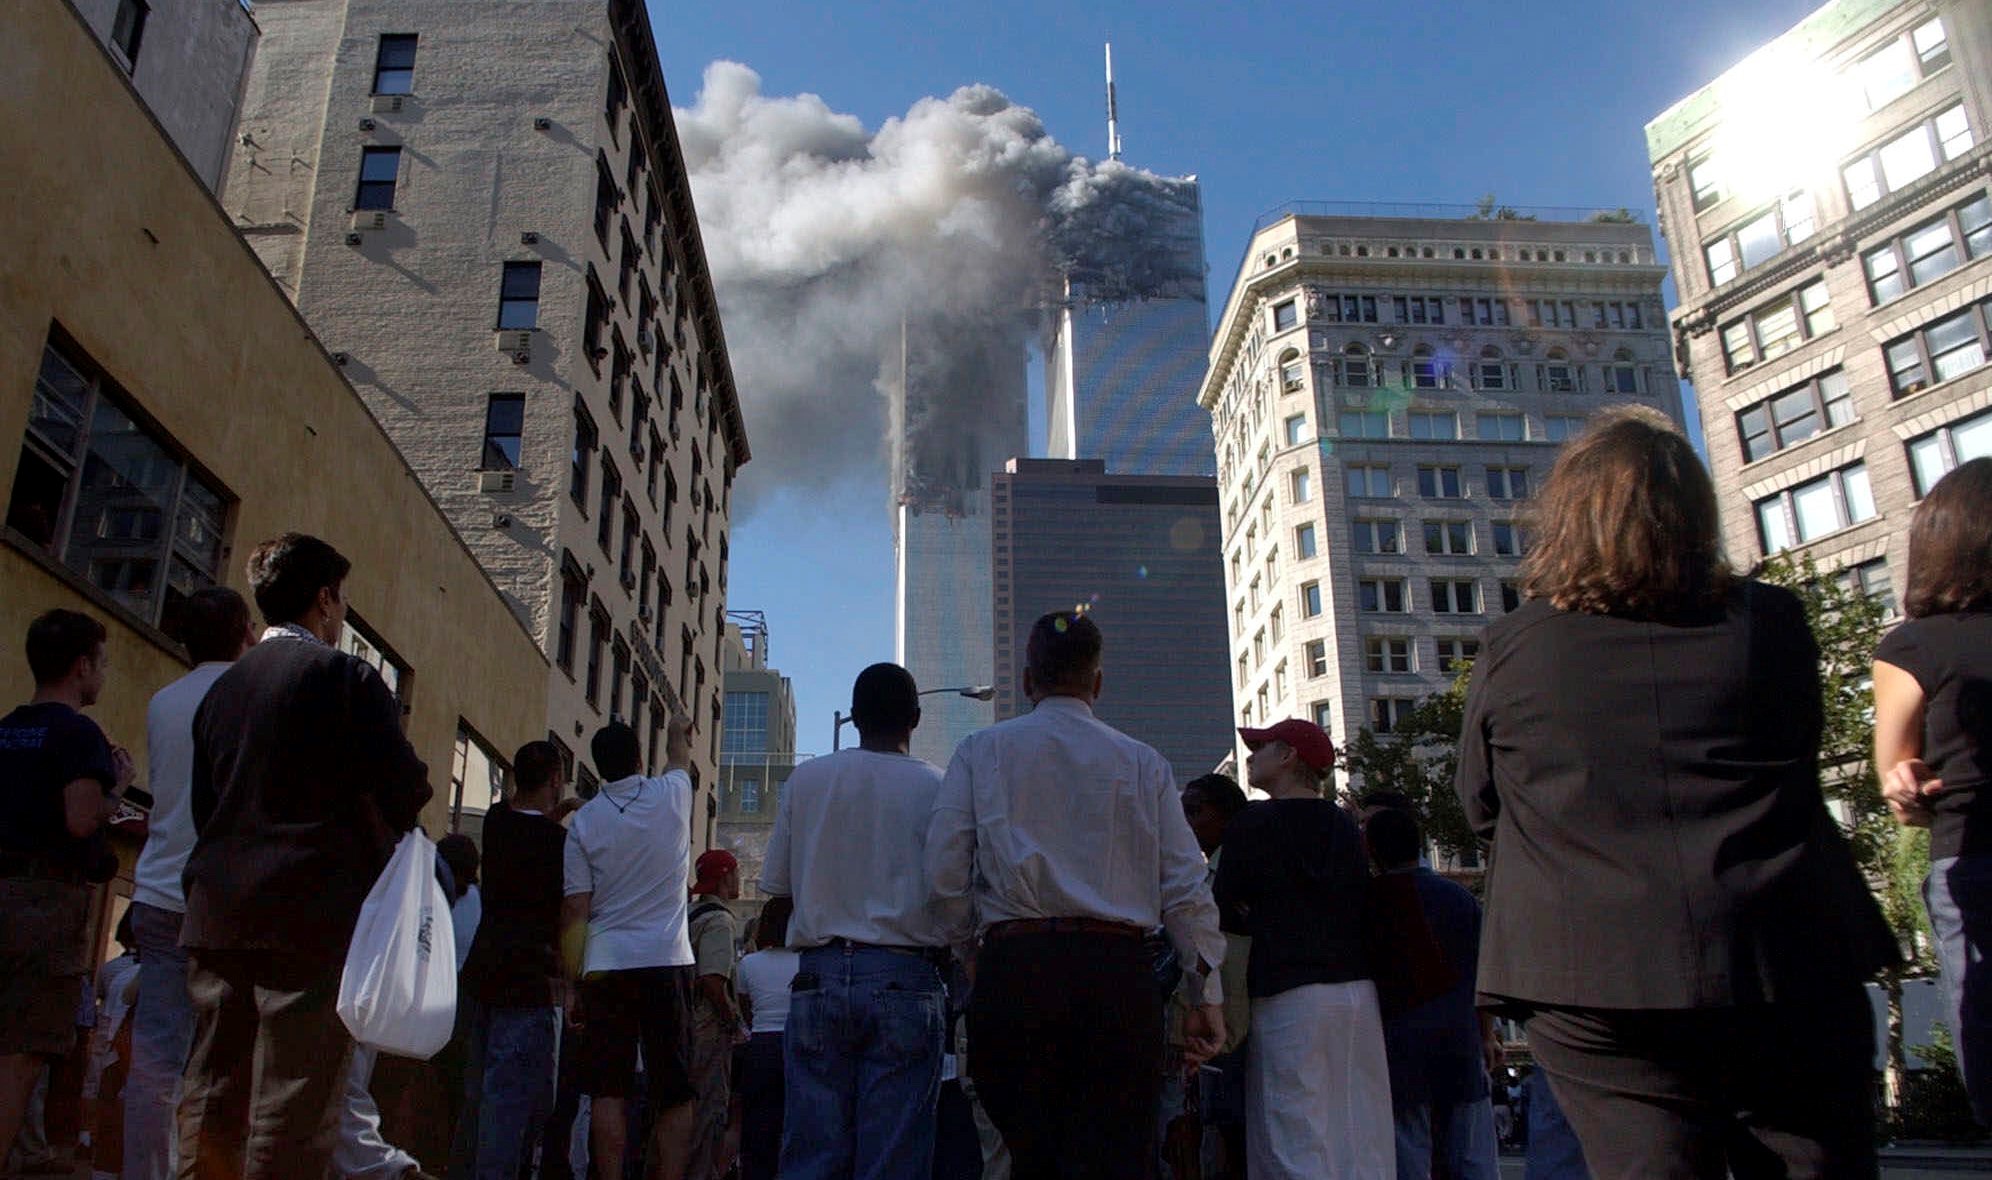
(825, 239)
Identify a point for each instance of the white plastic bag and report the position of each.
(399, 989)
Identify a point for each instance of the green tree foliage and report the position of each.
(1418, 759)
(1618, 216)
(1488, 209)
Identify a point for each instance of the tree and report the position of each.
(1846, 624)
(1418, 758)
(1487, 209)
(1618, 216)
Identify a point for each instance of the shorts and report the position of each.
(620, 1010)
(44, 963)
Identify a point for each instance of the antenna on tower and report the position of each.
(1113, 110)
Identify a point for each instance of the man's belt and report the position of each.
(932, 954)
(1097, 926)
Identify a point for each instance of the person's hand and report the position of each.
(1203, 1034)
(567, 807)
(121, 763)
(1492, 1054)
(570, 999)
(1907, 787)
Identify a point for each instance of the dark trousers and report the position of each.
(757, 1079)
(1065, 1053)
(1767, 1090)
(268, 1065)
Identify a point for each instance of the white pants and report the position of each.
(359, 1152)
(1317, 1086)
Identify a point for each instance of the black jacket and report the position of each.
(302, 782)
(1652, 793)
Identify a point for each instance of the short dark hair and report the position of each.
(775, 915)
(1384, 798)
(1064, 651)
(1219, 792)
(212, 622)
(1393, 838)
(617, 752)
(885, 699)
(1950, 545)
(460, 853)
(287, 572)
(59, 638)
(535, 765)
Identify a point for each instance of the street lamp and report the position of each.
(979, 692)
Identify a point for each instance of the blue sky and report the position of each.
(1541, 102)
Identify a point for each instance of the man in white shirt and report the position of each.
(628, 869)
(214, 624)
(1070, 839)
(868, 1010)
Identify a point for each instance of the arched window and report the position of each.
(1557, 374)
(1290, 370)
(1622, 375)
(1356, 370)
(1426, 371)
(1490, 372)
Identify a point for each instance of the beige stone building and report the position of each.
(482, 210)
(757, 749)
(163, 408)
(1385, 392)
(1826, 206)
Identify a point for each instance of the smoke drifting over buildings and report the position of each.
(827, 240)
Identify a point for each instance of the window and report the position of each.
(1292, 372)
(1932, 249)
(619, 368)
(1310, 600)
(1296, 430)
(1558, 375)
(1387, 713)
(1366, 479)
(1508, 539)
(1304, 543)
(1622, 375)
(1777, 328)
(1452, 538)
(1454, 651)
(1427, 372)
(1324, 714)
(1795, 415)
(1259, 649)
(746, 729)
(1455, 596)
(1380, 595)
(1948, 348)
(1487, 313)
(112, 500)
(1302, 485)
(1285, 315)
(1552, 313)
(1508, 483)
(618, 95)
(1354, 368)
(1935, 454)
(1434, 425)
(571, 591)
(1760, 238)
(1503, 427)
(625, 278)
(611, 493)
(1276, 625)
(1562, 427)
(1872, 579)
(618, 676)
(1907, 158)
(1511, 596)
(1363, 423)
(1440, 483)
(750, 791)
(605, 200)
(1376, 536)
(378, 168)
(1348, 309)
(1490, 372)
(394, 64)
(504, 422)
(598, 631)
(1244, 670)
(1811, 510)
(632, 529)
(1417, 309)
(1388, 655)
(128, 30)
(518, 297)
(597, 319)
(1615, 315)
(1280, 681)
(1316, 652)
(1705, 177)
(586, 439)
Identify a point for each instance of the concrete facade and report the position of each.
(398, 160)
(757, 748)
(1373, 377)
(191, 63)
(200, 374)
(1828, 419)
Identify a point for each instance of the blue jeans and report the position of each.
(1958, 892)
(1466, 1139)
(508, 1084)
(162, 1032)
(1553, 1151)
(863, 1065)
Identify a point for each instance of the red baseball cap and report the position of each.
(712, 865)
(1308, 740)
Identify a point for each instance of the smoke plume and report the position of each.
(825, 240)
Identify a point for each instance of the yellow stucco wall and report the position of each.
(111, 237)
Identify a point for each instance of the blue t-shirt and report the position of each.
(44, 748)
(1434, 1049)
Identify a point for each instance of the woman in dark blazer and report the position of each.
(1669, 906)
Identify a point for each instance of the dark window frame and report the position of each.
(1925, 361)
(492, 455)
(377, 194)
(395, 71)
(1902, 268)
(128, 31)
(519, 297)
(1767, 426)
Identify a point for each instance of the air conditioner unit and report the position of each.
(542, 123)
(366, 124)
(355, 238)
(369, 219)
(495, 481)
(388, 104)
(515, 341)
(528, 238)
(522, 358)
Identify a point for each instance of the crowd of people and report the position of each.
(1047, 949)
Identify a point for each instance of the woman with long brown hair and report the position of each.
(1933, 745)
(1670, 907)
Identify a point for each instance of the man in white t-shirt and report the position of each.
(628, 864)
(214, 624)
(868, 1011)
